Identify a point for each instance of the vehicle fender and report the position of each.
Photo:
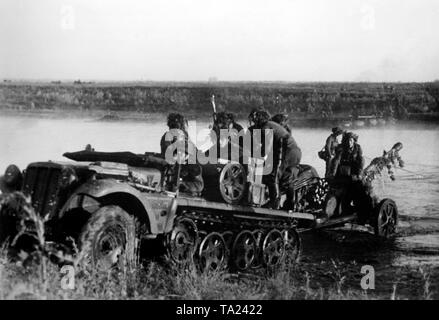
(106, 188)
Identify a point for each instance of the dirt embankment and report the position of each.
(299, 100)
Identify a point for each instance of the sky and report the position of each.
(231, 40)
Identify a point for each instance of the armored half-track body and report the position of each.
(110, 205)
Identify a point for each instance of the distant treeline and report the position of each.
(301, 100)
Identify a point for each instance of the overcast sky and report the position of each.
(178, 40)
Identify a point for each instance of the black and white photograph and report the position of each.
(236, 152)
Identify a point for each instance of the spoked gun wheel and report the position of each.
(386, 219)
(232, 183)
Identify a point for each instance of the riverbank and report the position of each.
(138, 117)
(307, 103)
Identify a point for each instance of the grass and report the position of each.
(165, 281)
(39, 278)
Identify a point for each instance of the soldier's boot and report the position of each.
(274, 194)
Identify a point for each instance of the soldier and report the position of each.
(226, 121)
(330, 148)
(282, 119)
(191, 179)
(222, 122)
(177, 124)
(177, 133)
(347, 171)
(191, 174)
(232, 123)
(348, 161)
(286, 154)
(12, 180)
(88, 147)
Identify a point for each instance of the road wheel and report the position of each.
(108, 240)
(182, 240)
(293, 246)
(244, 250)
(386, 219)
(212, 253)
(273, 249)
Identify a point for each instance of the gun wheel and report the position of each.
(182, 241)
(232, 183)
(273, 248)
(244, 250)
(212, 253)
(386, 219)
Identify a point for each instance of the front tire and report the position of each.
(109, 240)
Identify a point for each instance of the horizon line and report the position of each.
(97, 81)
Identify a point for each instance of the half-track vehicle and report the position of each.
(115, 205)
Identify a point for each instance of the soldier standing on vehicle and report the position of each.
(282, 119)
(286, 154)
(189, 176)
(347, 171)
(330, 148)
(177, 133)
(232, 123)
(348, 160)
(224, 131)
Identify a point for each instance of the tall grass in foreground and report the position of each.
(42, 279)
(159, 281)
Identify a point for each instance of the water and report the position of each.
(416, 189)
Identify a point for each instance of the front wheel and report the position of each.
(109, 240)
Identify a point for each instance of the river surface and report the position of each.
(409, 262)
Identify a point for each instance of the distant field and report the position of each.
(299, 100)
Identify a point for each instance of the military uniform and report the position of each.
(330, 149)
(285, 151)
(170, 138)
(347, 170)
(282, 119)
(191, 175)
(348, 162)
(225, 121)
